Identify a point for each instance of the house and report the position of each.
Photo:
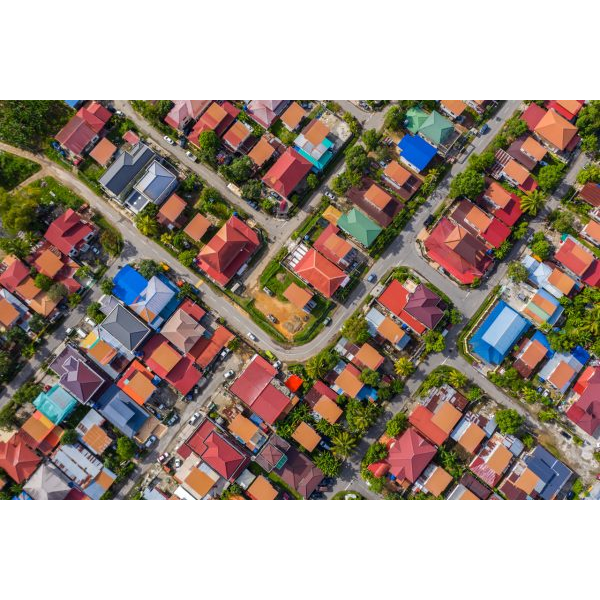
(262, 152)
(299, 297)
(322, 275)
(530, 354)
(9, 312)
(591, 232)
(437, 130)
(460, 492)
(367, 357)
(206, 350)
(335, 248)
(122, 330)
(415, 118)
(402, 180)
(493, 460)
(287, 174)
(415, 152)
(490, 230)
(585, 411)
(561, 370)
(528, 152)
(255, 387)
(360, 227)
(261, 489)
(375, 202)
(40, 433)
(55, 404)
(292, 116)
(84, 469)
(128, 284)
(47, 483)
(458, 252)
(137, 382)
(76, 375)
(501, 203)
(237, 136)
(471, 431)
(569, 109)
(153, 300)
(518, 176)
(183, 330)
(578, 260)
(70, 233)
(543, 308)
(532, 115)
(196, 229)
(306, 436)
(479, 106)
(331, 214)
(155, 186)
(590, 193)
(103, 151)
(328, 409)
(92, 434)
(217, 118)
(556, 133)
(247, 432)
(314, 144)
(120, 410)
(548, 277)
(170, 214)
(386, 329)
(318, 391)
(299, 472)
(438, 415)
(53, 264)
(17, 460)
(498, 333)
(185, 112)
(266, 112)
(453, 108)
(434, 480)
(83, 130)
(348, 382)
(228, 251)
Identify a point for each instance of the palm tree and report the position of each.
(403, 367)
(531, 203)
(147, 225)
(343, 444)
(457, 379)
(592, 323)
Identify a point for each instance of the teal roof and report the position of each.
(415, 118)
(56, 404)
(436, 128)
(359, 226)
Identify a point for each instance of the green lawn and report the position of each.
(14, 170)
(283, 133)
(53, 191)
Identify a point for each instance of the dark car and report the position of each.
(317, 496)
(429, 220)
(328, 481)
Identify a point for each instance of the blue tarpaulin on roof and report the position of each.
(129, 284)
(416, 151)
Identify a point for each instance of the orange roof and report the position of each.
(561, 281)
(262, 152)
(48, 263)
(243, 428)
(165, 356)
(328, 409)
(446, 417)
(543, 303)
(561, 375)
(390, 330)
(261, 489)
(516, 172)
(199, 481)
(438, 481)
(197, 227)
(471, 438)
(171, 210)
(298, 296)
(349, 382)
(97, 439)
(103, 151)
(468, 495)
(139, 386)
(397, 173)
(377, 196)
(316, 131)
(337, 245)
(534, 353)
(38, 426)
(532, 147)
(555, 129)
(456, 107)
(332, 214)
(102, 351)
(573, 106)
(306, 436)
(497, 194)
(8, 313)
(42, 304)
(527, 481)
(293, 115)
(499, 459)
(368, 356)
(592, 230)
(478, 219)
(236, 134)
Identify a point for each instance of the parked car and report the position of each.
(327, 321)
(95, 250)
(272, 318)
(330, 195)
(163, 458)
(182, 141)
(484, 129)
(195, 418)
(268, 292)
(191, 156)
(177, 463)
(229, 374)
(316, 495)
(225, 353)
(168, 140)
(328, 481)
(252, 337)
(429, 220)
(174, 418)
(277, 364)
(150, 441)
(372, 278)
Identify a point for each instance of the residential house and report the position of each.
(91, 433)
(261, 489)
(47, 483)
(292, 116)
(415, 152)
(453, 108)
(490, 230)
(386, 329)
(328, 409)
(171, 214)
(183, 329)
(70, 233)
(528, 152)
(10, 312)
(375, 202)
(556, 133)
(495, 458)
(55, 404)
(471, 431)
(287, 174)
(103, 151)
(228, 252)
(40, 433)
(262, 152)
(197, 228)
(153, 301)
(501, 203)
(266, 112)
(138, 383)
(585, 411)
(368, 358)
(299, 297)
(83, 130)
(518, 176)
(247, 432)
(591, 232)
(17, 460)
(208, 347)
(569, 109)
(238, 137)
(51, 262)
(479, 106)
(402, 180)
(578, 260)
(560, 371)
(155, 186)
(185, 112)
(543, 308)
(306, 437)
(438, 131)
(434, 480)
(360, 227)
(548, 277)
(217, 118)
(120, 410)
(122, 330)
(320, 273)
(590, 193)
(297, 470)
(335, 248)
(348, 382)
(314, 144)
(530, 354)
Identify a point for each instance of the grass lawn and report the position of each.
(53, 191)
(14, 170)
(90, 172)
(283, 133)
(217, 207)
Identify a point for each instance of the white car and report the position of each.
(191, 156)
(330, 195)
(151, 441)
(252, 337)
(229, 374)
(168, 140)
(194, 418)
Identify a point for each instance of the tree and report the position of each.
(550, 176)
(126, 448)
(112, 241)
(320, 364)
(540, 246)
(563, 221)
(376, 452)
(548, 414)
(340, 184)
(343, 443)
(590, 172)
(357, 160)
(371, 139)
(589, 144)
(57, 292)
(474, 394)
(509, 420)
(190, 183)
(588, 120)
(469, 183)
(455, 316)
(361, 416)
(312, 181)
(502, 250)
(356, 329)
(160, 109)
(514, 128)
(21, 248)
(434, 341)
(394, 120)
(482, 162)
(107, 286)
(404, 367)
(69, 437)
(147, 224)
(370, 377)
(186, 290)
(397, 424)
(186, 258)
(93, 312)
(148, 268)
(456, 379)
(352, 123)
(18, 212)
(252, 190)
(520, 231)
(74, 300)
(532, 203)
(239, 171)
(37, 323)
(8, 364)
(27, 393)
(209, 144)
(328, 463)
(43, 282)
(517, 271)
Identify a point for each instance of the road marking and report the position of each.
(349, 484)
(445, 360)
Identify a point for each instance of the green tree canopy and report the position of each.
(328, 463)
(532, 203)
(371, 139)
(509, 420)
(550, 176)
(357, 159)
(148, 268)
(355, 329)
(469, 183)
(126, 448)
(394, 119)
(209, 144)
(397, 424)
(517, 271)
(434, 341)
(320, 364)
(404, 367)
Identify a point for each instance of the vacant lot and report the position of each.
(291, 319)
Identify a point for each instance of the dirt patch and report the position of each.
(290, 318)
(580, 459)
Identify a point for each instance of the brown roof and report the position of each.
(49, 263)
(293, 115)
(590, 193)
(561, 374)
(197, 227)
(456, 107)
(499, 459)
(396, 172)
(261, 489)
(8, 313)
(446, 417)
(316, 131)
(349, 382)
(377, 196)
(516, 172)
(306, 436)
(390, 330)
(97, 439)
(527, 481)
(103, 151)
(262, 152)
(199, 481)
(328, 409)
(479, 219)
(298, 296)
(166, 356)
(532, 147)
(243, 428)
(472, 437)
(561, 281)
(171, 210)
(555, 129)
(438, 481)
(368, 356)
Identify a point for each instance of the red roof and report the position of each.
(293, 383)
(583, 380)
(287, 173)
(271, 404)
(331, 245)
(228, 250)
(322, 274)
(394, 298)
(217, 117)
(586, 411)
(14, 274)
(420, 418)
(83, 128)
(575, 257)
(17, 459)
(496, 233)
(533, 115)
(409, 455)
(192, 309)
(184, 376)
(511, 213)
(95, 115)
(206, 349)
(564, 112)
(68, 231)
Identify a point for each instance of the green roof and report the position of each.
(56, 404)
(415, 118)
(436, 128)
(359, 226)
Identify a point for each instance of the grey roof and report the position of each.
(124, 327)
(156, 182)
(47, 483)
(126, 167)
(118, 408)
(153, 299)
(553, 473)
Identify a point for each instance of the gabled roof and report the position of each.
(368, 357)
(423, 305)
(56, 404)
(14, 274)
(287, 173)
(262, 152)
(516, 172)
(47, 483)
(206, 349)
(197, 227)
(155, 183)
(17, 459)
(126, 167)
(265, 112)
(348, 381)
(126, 329)
(397, 173)
(217, 117)
(359, 226)
(153, 300)
(456, 107)
(323, 275)
(590, 193)
(103, 151)
(555, 129)
(136, 382)
(118, 408)
(293, 114)
(76, 375)
(76, 135)
(416, 151)
(184, 111)
(261, 489)
(237, 134)
(575, 257)
(172, 209)
(306, 436)
(409, 455)
(298, 296)
(300, 473)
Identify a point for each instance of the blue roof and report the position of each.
(581, 354)
(501, 329)
(72, 103)
(552, 472)
(129, 284)
(416, 151)
(118, 408)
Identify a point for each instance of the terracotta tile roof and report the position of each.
(262, 152)
(287, 173)
(17, 459)
(438, 481)
(561, 281)
(165, 356)
(197, 227)
(575, 257)
(532, 147)
(516, 172)
(456, 107)
(8, 313)
(328, 409)
(369, 357)
(377, 196)
(471, 438)
(293, 115)
(478, 219)
(236, 135)
(315, 132)
(348, 381)
(390, 330)
(171, 210)
(306, 436)
(298, 296)
(397, 173)
(68, 231)
(592, 230)
(319, 272)
(199, 482)
(534, 353)
(48, 263)
(446, 417)
(103, 151)
(499, 459)
(243, 428)
(261, 489)
(527, 481)
(555, 129)
(97, 439)
(561, 375)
